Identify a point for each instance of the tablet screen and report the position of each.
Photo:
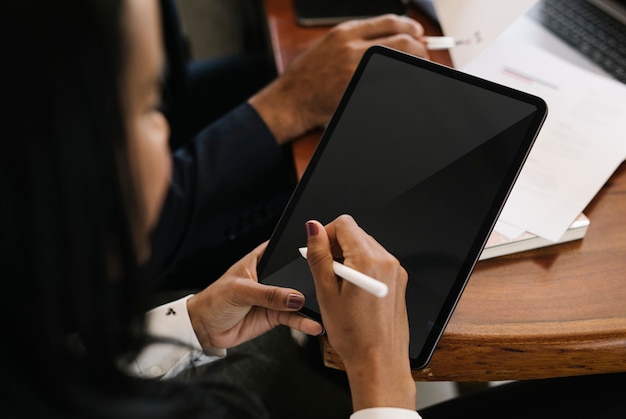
(423, 157)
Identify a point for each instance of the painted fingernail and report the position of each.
(311, 229)
(295, 301)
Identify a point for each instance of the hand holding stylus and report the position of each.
(370, 334)
(359, 279)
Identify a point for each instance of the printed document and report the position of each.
(477, 23)
(581, 144)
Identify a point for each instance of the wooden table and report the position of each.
(550, 312)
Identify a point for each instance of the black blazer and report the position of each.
(227, 180)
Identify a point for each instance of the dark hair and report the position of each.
(67, 211)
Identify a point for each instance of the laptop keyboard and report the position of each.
(587, 29)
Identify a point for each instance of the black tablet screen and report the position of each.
(423, 157)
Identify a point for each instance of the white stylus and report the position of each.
(359, 279)
(441, 42)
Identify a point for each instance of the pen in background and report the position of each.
(442, 42)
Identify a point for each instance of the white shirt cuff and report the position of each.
(182, 350)
(385, 413)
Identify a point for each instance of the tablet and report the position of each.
(330, 12)
(423, 157)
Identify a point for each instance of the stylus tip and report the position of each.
(303, 251)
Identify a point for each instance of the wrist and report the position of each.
(198, 326)
(280, 111)
(382, 384)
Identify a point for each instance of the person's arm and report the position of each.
(306, 95)
(231, 175)
(239, 162)
(370, 334)
(174, 345)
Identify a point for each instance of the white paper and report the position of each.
(581, 144)
(477, 23)
(507, 230)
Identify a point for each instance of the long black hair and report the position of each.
(72, 286)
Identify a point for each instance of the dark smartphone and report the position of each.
(330, 12)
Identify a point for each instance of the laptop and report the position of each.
(614, 8)
(594, 28)
(588, 33)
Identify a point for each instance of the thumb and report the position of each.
(319, 256)
(269, 296)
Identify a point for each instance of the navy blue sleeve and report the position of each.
(232, 170)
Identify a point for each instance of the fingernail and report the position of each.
(295, 301)
(311, 229)
(323, 332)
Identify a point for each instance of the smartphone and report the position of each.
(331, 12)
